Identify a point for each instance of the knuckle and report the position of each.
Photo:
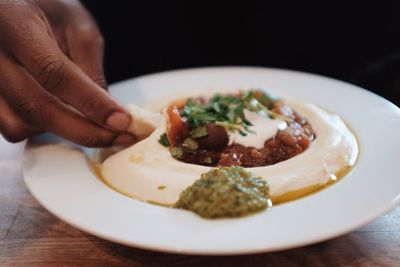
(34, 112)
(15, 4)
(99, 41)
(92, 107)
(101, 81)
(52, 73)
(90, 37)
(96, 107)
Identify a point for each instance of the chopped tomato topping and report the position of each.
(177, 129)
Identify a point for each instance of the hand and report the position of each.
(51, 75)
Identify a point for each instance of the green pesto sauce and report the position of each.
(225, 192)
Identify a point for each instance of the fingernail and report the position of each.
(124, 139)
(119, 121)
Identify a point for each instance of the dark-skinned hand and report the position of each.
(51, 75)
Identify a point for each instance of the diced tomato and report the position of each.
(177, 129)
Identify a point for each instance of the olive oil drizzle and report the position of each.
(286, 197)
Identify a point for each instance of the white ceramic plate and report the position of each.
(59, 177)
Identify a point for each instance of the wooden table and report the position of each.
(30, 236)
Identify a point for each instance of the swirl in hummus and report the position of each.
(147, 171)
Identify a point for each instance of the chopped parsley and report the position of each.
(164, 140)
(177, 152)
(207, 160)
(228, 111)
(254, 102)
(198, 132)
(191, 143)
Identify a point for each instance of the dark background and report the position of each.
(358, 42)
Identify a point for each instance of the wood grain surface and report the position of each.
(30, 236)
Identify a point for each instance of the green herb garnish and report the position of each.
(228, 111)
(191, 143)
(207, 160)
(196, 114)
(252, 103)
(164, 140)
(264, 97)
(177, 152)
(198, 132)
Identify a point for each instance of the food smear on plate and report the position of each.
(225, 192)
(295, 146)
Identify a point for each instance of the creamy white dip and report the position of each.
(148, 172)
(262, 128)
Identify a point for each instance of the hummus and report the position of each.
(147, 171)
